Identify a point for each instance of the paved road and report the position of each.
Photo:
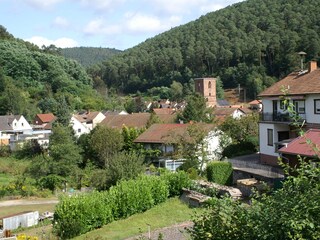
(20, 202)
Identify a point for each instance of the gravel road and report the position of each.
(175, 232)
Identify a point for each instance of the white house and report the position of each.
(163, 136)
(15, 130)
(276, 128)
(78, 127)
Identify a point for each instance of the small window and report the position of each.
(209, 94)
(209, 85)
(317, 106)
(299, 106)
(22, 124)
(79, 130)
(270, 137)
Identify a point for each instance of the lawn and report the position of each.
(169, 213)
(5, 211)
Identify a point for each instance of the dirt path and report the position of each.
(20, 202)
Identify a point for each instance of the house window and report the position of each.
(209, 85)
(270, 137)
(299, 106)
(283, 104)
(79, 130)
(317, 106)
(22, 124)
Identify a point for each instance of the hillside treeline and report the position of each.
(33, 80)
(88, 56)
(251, 43)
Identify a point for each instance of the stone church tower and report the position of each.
(207, 88)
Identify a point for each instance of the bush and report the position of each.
(5, 151)
(242, 148)
(79, 214)
(219, 172)
(176, 181)
(292, 212)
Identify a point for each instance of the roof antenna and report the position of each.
(302, 56)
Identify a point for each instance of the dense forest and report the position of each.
(88, 56)
(34, 80)
(252, 43)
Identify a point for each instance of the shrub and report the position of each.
(79, 214)
(219, 172)
(241, 148)
(176, 181)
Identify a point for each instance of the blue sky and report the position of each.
(119, 24)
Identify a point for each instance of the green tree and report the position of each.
(196, 110)
(176, 89)
(104, 143)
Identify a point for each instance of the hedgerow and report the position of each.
(82, 213)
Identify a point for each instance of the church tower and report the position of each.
(207, 88)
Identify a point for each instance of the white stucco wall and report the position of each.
(98, 119)
(263, 137)
(78, 127)
(21, 124)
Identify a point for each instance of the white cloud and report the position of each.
(177, 6)
(210, 7)
(141, 23)
(60, 42)
(100, 5)
(42, 4)
(61, 22)
(98, 26)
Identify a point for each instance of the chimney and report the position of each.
(312, 66)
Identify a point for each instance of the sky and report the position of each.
(119, 24)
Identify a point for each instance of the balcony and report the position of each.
(280, 117)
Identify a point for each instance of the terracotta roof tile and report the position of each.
(161, 133)
(46, 117)
(306, 83)
(301, 145)
(136, 120)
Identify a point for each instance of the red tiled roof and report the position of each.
(164, 110)
(91, 115)
(136, 120)
(307, 83)
(46, 117)
(161, 133)
(255, 102)
(304, 145)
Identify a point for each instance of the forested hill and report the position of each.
(33, 80)
(251, 43)
(88, 56)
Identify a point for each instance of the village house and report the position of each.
(236, 112)
(305, 146)
(163, 136)
(15, 131)
(138, 120)
(44, 121)
(83, 123)
(276, 128)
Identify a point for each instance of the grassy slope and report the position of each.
(169, 213)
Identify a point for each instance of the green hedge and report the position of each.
(219, 172)
(79, 214)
